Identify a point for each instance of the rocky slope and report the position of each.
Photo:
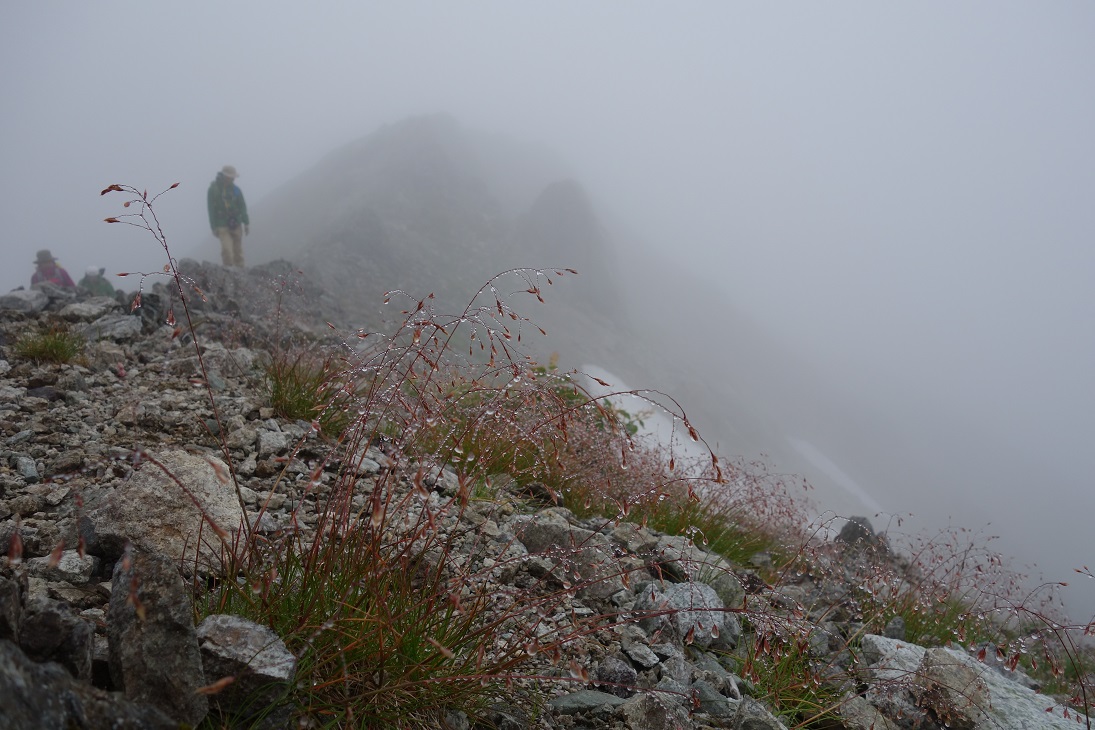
(103, 463)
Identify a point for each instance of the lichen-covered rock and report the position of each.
(156, 511)
(71, 567)
(971, 693)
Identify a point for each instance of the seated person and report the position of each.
(48, 272)
(96, 283)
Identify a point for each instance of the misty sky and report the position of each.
(903, 195)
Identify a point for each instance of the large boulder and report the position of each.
(157, 511)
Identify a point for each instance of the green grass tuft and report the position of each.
(303, 386)
(58, 345)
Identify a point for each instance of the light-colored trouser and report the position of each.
(231, 245)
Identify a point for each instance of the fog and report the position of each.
(903, 198)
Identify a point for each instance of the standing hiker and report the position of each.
(228, 215)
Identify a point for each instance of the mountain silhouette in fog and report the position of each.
(426, 205)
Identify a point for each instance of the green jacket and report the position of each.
(227, 208)
(98, 285)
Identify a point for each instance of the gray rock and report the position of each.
(12, 591)
(711, 700)
(707, 668)
(952, 690)
(116, 327)
(691, 612)
(71, 568)
(1010, 705)
(584, 700)
(507, 717)
(271, 443)
(88, 310)
(583, 558)
(24, 435)
(52, 631)
(633, 538)
(616, 676)
(26, 505)
(641, 654)
(856, 530)
(55, 293)
(43, 696)
(654, 711)
(154, 656)
(28, 537)
(68, 461)
(678, 669)
(858, 714)
(665, 650)
(365, 466)
(752, 715)
(263, 668)
(26, 468)
(677, 558)
(997, 663)
(895, 629)
(726, 584)
(153, 511)
(242, 438)
(24, 300)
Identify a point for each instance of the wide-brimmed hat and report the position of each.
(229, 172)
(45, 257)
